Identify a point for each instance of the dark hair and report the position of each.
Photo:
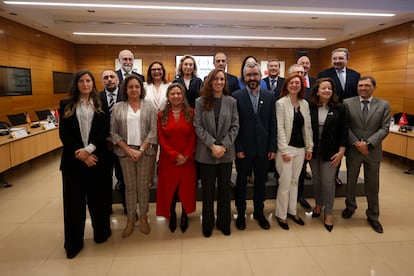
(188, 115)
(242, 67)
(333, 100)
(149, 76)
(124, 86)
(74, 94)
(207, 89)
(373, 81)
(284, 91)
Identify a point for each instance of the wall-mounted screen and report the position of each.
(15, 81)
(61, 82)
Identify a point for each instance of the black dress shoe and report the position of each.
(261, 219)
(376, 226)
(347, 213)
(338, 181)
(328, 227)
(70, 254)
(226, 232)
(184, 222)
(296, 219)
(173, 222)
(207, 233)
(305, 205)
(282, 224)
(315, 215)
(241, 222)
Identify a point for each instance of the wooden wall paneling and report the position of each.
(396, 33)
(409, 91)
(361, 43)
(408, 105)
(390, 62)
(411, 42)
(4, 57)
(396, 104)
(399, 47)
(410, 76)
(392, 90)
(391, 76)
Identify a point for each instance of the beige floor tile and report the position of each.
(218, 263)
(282, 261)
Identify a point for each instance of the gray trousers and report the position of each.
(323, 180)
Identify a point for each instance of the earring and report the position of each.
(168, 102)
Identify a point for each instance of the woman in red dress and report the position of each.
(176, 171)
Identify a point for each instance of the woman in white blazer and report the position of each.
(294, 143)
(156, 85)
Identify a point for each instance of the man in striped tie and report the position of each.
(109, 96)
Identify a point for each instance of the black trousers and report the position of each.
(209, 173)
(81, 188)
(260, 167)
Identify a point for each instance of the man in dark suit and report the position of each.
(110, 96)
(273, 81)
(255, 142)
(126, 59)
(345, 79)
(369, 121)
(309, 81)
(220, 61)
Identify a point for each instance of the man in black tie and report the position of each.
(273, 81)
(110, 96)
(345, 79)
(126, 59)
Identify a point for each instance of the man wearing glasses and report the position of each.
(126, 59)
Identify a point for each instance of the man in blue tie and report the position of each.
(273, 81)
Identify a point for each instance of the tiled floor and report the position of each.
(31, 237)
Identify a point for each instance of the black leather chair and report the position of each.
(42, 114)
(17, 119)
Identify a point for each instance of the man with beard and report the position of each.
(126, 59)
(255, 143)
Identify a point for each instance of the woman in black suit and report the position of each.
(330, 135)
(83, 129)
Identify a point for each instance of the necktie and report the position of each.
(111, 101)
(273, 84)
(365, 110)
(341, 78)
(305, 83)
(126, 74)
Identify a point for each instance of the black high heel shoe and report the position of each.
(184, 222)
(328, 227)
(173, 222)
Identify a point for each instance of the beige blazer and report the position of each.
(119, 129)
(284, 118)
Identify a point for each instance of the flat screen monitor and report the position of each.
(61, 82)
(15, 81)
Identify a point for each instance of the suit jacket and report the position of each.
(121, 77)
(279, 85)
(374, 130)
(208, 133)
(351, 84)
(119, 127)
(257, 134)
(149, 96)
(104, 99)
(70, 135)
(232, 83)
(193, 92)
(334, 132)
(284, 115)
(308, 90)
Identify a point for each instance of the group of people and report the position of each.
(193, 130)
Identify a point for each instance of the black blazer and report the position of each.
(334, 133)
(257, 132)
(308, 91)
(121, 77)
(232, 83)
(104, 100)
(351, 85)
(69, 133)
(194, 89)
(276, 92)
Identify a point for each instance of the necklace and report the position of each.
(177, 111)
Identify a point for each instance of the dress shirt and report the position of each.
(84, 114)
(254, 99)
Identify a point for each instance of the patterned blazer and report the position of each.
(119, 128)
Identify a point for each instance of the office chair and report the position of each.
(17, 119)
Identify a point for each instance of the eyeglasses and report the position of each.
(126, 59)
(255, 75)
(156, 69)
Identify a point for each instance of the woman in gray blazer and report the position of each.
(216, 123)
(134, 134)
